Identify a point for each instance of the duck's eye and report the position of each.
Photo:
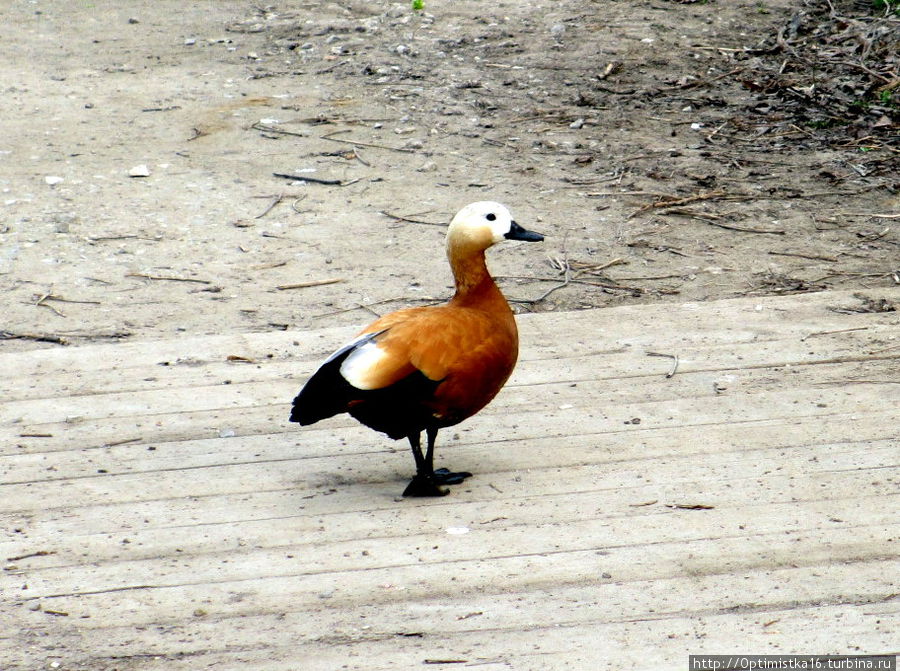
(490, 216)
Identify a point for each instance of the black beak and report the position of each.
(516, 232)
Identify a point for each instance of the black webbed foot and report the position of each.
(445, 477)
(428, 480)
(429, 485)
(423, 485)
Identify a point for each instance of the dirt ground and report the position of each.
(670, 151)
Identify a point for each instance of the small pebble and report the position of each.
(139, 171)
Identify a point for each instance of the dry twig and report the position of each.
(167, 278)
(611, 68)
(314, 180)
(674, 358)
(272, 129)
(330, 136)
(277, 199)
(123, 441)
(813, 257)
(410, 220)
(37, 337)
(41, 302)
(311, 283)
(670, 201)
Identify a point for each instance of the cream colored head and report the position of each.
(483, 224)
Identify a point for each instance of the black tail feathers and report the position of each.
(326, 394)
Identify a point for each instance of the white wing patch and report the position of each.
(358, 366)
(350, 345)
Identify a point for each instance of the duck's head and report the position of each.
(485, 223)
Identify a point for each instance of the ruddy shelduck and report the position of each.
(427, 368)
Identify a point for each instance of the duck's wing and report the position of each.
(464, 355)
(375, 383)
(413, 368)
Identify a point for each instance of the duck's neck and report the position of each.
(474, 285)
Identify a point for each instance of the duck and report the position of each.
(430, 367)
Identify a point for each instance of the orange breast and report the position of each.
(470, 351)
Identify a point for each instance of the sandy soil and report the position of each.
(671, 151)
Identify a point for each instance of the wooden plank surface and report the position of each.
(158, 512)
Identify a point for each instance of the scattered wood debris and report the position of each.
(311, 283)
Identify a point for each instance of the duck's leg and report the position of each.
(423, 483)
(426, 480)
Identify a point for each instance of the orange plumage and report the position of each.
(428, 368)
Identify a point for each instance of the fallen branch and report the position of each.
(712, 220)
(674, 358)
(410, 220)
(702, 82)
(743, 229)
(41, 302)
(821, 333)
(573, 280)
(277, 199)
(330, 136)
(368, 306)
(813, 257)
(267, 266)
(39, 553)
(37, 337)
(561, 264)
(311, 283)
(113, 335)
(123, 441)
(533, 301)
(697, 197)
(611, 68)
(272, 129)
(167, 278)
(52, 297)
(315, 180)
(869, 214)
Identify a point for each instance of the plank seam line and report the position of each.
(885, 598)
(292, 431)
(683, 372)
(886, 556)
(341, 455)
